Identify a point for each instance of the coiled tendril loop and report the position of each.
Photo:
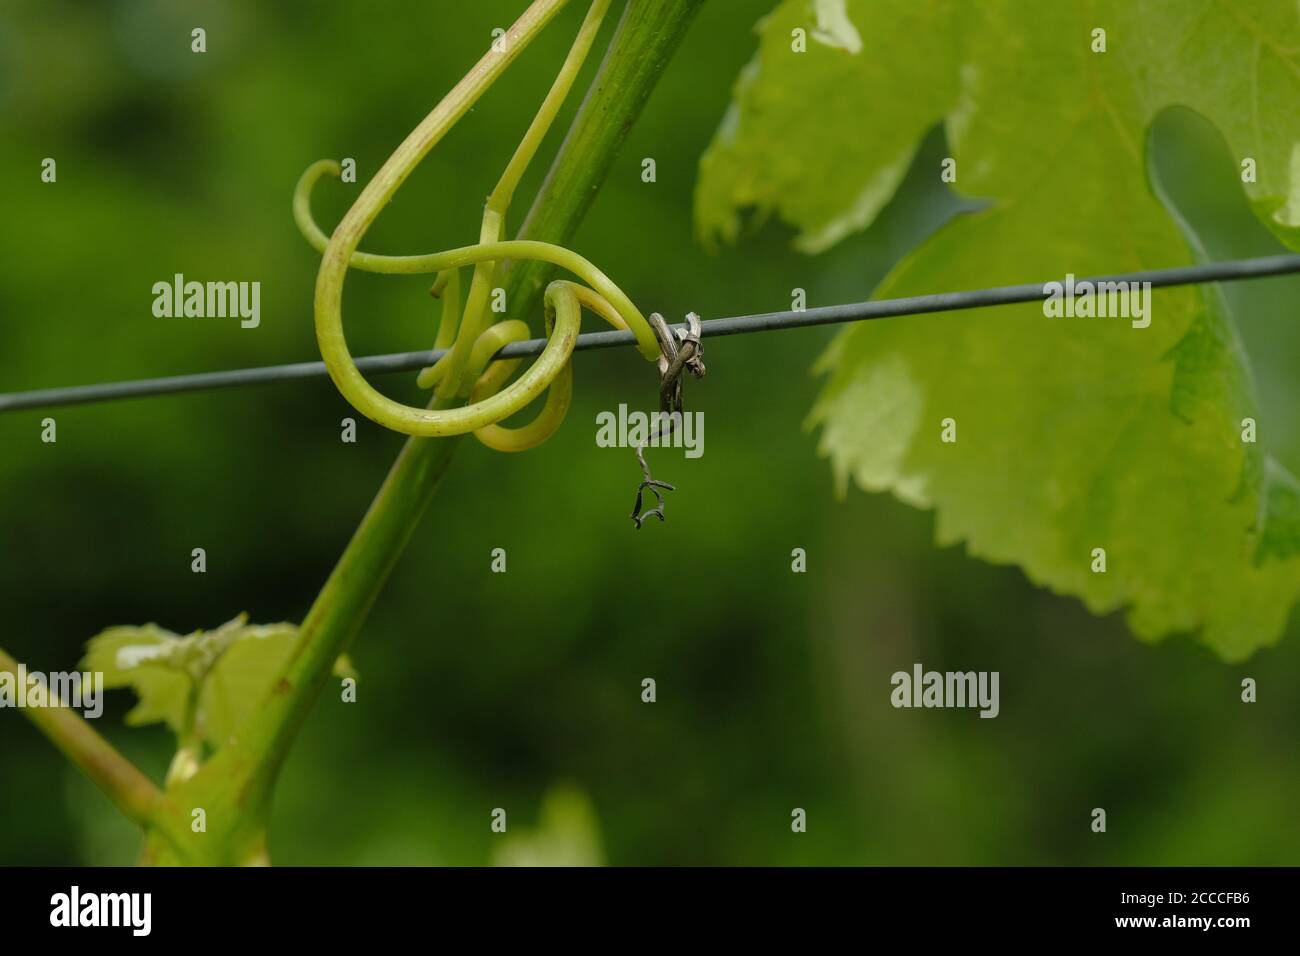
(467, 371)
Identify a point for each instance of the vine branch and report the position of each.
(242, 774)
(134, 794)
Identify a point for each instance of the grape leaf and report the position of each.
(828, 148)
(1072, 433)
(127, 657)
(204, 683)
(242, 676)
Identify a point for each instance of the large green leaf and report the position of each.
(825, 136)
(1073, 433)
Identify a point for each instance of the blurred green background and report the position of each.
(522, 690)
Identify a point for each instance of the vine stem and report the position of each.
(134, 794)
(237, 782)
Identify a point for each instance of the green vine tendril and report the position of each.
(467, 371)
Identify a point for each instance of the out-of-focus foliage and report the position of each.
(566, 835)
(485, 690)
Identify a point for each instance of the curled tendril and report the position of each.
(467, 371)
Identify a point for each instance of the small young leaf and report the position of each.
(241, 678)
(344, 668)
(223, 673)
(136, 657)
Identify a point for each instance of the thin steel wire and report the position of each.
(1233, 270)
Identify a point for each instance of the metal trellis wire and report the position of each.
(1233, 270)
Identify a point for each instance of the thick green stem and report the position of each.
(648, 36)
(242, 774)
